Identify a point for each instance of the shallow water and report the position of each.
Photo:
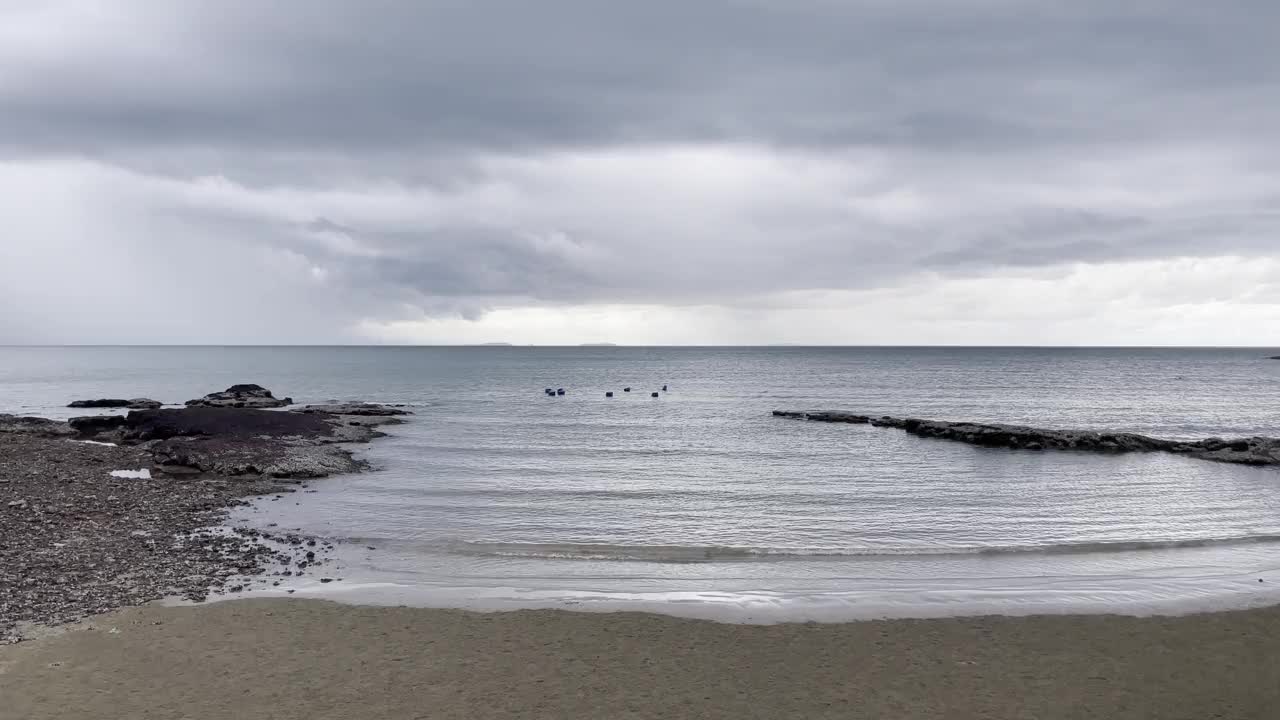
(701, 503)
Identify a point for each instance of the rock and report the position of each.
(134, 404)
(241, 396)
(361, 409)
(225, 422)
(93, 425)
(33, 426)
(144, 404)
(100, 403)
(1250, 451)
(653, 394)
(609, 394)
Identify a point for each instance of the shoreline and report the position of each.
(316, 659)
(79, 538)
(214, 458)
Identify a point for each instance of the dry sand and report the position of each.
(318, 660)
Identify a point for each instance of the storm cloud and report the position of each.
(700, 171)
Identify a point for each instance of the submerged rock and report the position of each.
(133, 404)
(359, 409)
(1244, 451)
(241, 396)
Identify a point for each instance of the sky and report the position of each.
(1006, 172)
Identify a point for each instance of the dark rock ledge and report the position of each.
(76, 541)
(134, 404)
(1243, 451)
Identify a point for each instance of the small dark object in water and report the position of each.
(549, 391)
(664, 388)
(609, 394)
(653, 394)
(560, 391)
(626, 389)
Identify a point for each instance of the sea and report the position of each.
(698, 502)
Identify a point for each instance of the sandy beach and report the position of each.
(319, 660)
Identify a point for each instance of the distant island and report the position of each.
(597, 344)
(496, 344)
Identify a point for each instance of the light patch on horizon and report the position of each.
(1179, 302)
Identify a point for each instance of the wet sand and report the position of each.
(319, 660)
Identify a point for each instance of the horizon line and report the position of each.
(608, 346)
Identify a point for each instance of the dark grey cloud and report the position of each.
(403, 160)
(337, 76)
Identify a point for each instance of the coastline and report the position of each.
(311, 658)
(315, 659)
(107, 511)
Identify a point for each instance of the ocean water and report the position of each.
(700, 503)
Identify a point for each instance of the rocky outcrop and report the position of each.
(76, 540)
(359, 409)
(143, 425)
(1244, 451)
(24, 425)
(252, 457)
(241, 396)
(134, 404)
(94, 425)
(108, 540)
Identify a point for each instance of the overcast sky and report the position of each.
(667, 171)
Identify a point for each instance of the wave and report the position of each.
(723, 553)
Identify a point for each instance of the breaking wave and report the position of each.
(719, 553)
